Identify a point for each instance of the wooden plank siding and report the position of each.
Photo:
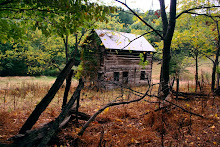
(126, 64)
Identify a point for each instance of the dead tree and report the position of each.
(48, 98)
(43, 135)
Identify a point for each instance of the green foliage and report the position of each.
(33, 20)
(113, 24)
(125, 17)
(179, 62)
(143, 62)
(193, 35)
(139, 28)
(35, 57)
(12, 62)
(218, 69)
(90, 58)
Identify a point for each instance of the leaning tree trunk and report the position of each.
(32, 119)
(62, 115)
(69, 78)
(67, 88)
(43, 135)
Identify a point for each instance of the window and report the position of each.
(116, 76)
(142, 75)
(125, 77)
(100, 76)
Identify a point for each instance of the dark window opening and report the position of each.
(101, 58)
(142, 75)
(100, 76)
(145, 57)
(116, 76)
(125, 77)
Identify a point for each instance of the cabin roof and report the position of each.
(123, 41)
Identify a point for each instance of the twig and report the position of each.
(137, 38)
(135, 14)
(184, 109)
(101, 137)
(196, 8)
(106, 106)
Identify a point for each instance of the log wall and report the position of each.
(126, 65)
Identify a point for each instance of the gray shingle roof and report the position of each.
(121, 40)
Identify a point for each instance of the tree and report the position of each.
(168, 27)
(209, 10)
(37, 55)
(40, 11)
(167, 35)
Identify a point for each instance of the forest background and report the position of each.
(34, 51)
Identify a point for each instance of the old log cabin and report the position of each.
(124, 59)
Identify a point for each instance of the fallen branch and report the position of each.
(184, 109)
(185, 94)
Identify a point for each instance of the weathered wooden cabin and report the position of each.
(120, 59)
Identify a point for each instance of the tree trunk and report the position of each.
(168, 35)
(44, 134)
(62, 115)
(213, 75)
(196, 74)
(68, 84)
(177, 86)
(165, 70)
(68, 80)
(48, 98)
(77, 109)
(216, 60)
(65, 40)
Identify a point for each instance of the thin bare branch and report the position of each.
(196, 8)
(135, 14)
(106, 106)
(184, 109)
(137, 38)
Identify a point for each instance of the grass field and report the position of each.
(135, 124)
(13, 82)
(205, 68)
